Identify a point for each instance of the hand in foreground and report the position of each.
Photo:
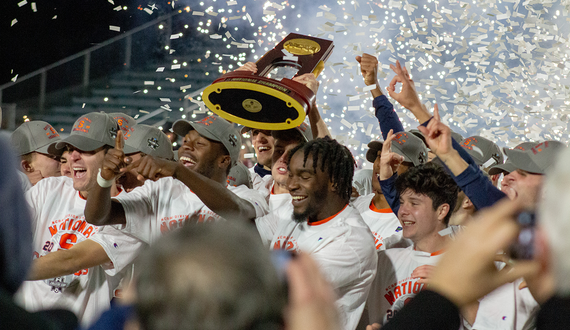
(152, 168)
(368, 68)
(389, 161)
(311, 298)
(467, 270)
(408, 96)
(115, 159)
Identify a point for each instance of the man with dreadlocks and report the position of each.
(320, 222)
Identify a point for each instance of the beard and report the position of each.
(300, 217)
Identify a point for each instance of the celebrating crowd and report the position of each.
(108, 229)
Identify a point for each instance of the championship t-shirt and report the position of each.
(58, 222)
(160, 206)
(383, 223)
(342, 245)
(393, 286)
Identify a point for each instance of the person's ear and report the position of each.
(332, 187)
(225, 161)
(467, 204)
(442, 211)
(26, 166)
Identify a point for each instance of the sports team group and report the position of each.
(444, 232)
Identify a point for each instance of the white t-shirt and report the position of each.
(506, 308)
(394, 286)
(167, 204)
(259, 182)
(58, 222)
(342, 246)
(383, 223)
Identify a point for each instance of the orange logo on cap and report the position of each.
(51, 133)
(468, 143)
(538, 148)
(208, 120)
(399, 136)
(83, 125)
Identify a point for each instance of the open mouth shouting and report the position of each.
(78, 172)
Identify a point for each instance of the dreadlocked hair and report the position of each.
(334, 159)
(430, 179)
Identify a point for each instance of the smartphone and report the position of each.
(523, 248)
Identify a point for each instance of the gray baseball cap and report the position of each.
(239, 175)
(484, 152)
(214, 128)
(125, 122)
(35, 135)
(405, 144)
(508, 166)
(537, 159)
(149, 140)
(89, 132)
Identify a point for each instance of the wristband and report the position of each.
(104, 183)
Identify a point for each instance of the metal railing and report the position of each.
(86, 54)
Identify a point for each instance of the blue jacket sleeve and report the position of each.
(473, 182)
(389, 190)
(387, 117)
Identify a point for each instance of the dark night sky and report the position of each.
(37, 40)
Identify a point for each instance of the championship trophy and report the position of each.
(256, 100)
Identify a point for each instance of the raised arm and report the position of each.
(470, 179)
(213, 194)
(408, 96)
(318, 125)
(389, 163)
(100, 209)
(387, 117)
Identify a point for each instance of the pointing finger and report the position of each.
(119, 141)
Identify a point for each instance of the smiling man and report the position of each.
(57, 206)
(427, 195)
(193, 189)
(263, 145)
(320, 222)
